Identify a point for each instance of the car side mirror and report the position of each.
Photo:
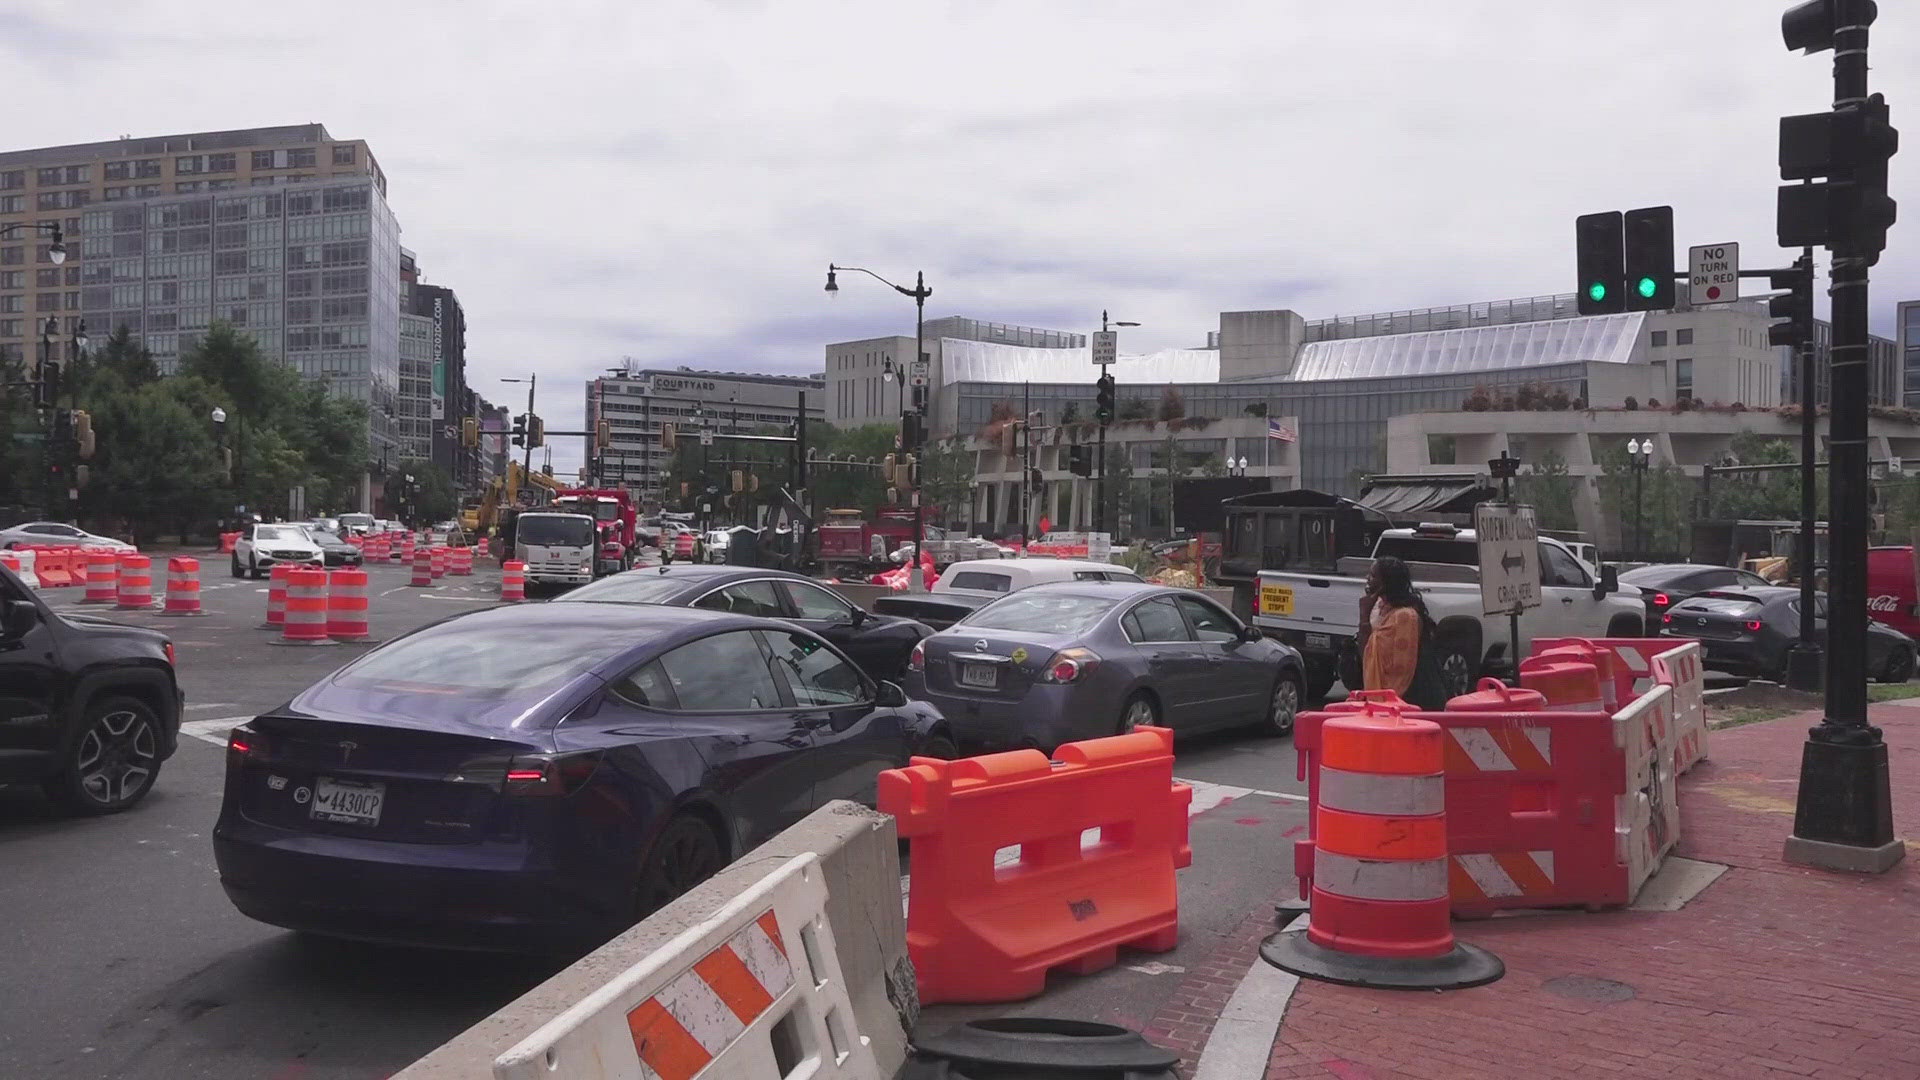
(889, 695)
(1609, 581)
(1250, 633)
(860, 616)
(20, 617)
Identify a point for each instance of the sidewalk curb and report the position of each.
(1241, 1042)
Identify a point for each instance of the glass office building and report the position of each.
(413, 409)
(310, 270)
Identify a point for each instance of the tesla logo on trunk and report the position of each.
(346, 750)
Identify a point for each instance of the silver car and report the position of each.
(1079, 660)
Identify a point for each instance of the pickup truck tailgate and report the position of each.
(1317, 603)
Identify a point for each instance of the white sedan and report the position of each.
(56, 534)
(262, 547)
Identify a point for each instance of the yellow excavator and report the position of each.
(504, 491)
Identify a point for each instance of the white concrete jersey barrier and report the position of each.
(753, 993)
(1647, 811)
(856, 853)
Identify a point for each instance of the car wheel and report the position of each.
(1455, 668)
(685, 854)
(1140, 710)
(1625, 626)
(113, 763)
(1899, 666)
(940, 747)
(1283, 706)
(253, 569)
(237, 572)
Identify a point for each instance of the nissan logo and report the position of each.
(1703, 622)
(980, 646)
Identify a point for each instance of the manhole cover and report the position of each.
(1586, 988)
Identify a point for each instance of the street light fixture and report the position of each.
(56, 251)
(1639, 456)
(918, 294)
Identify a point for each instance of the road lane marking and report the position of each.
(213, 731)
(211, 704)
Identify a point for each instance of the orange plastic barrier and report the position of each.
(306, 620)
(1566, 683)
(227, 542)
(55, 566)
(1636, 668)
(977, 932)
(277, 597)
(347, 606)
(437, 562)
(183, 587)
(422, 568)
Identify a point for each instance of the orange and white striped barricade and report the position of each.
(979, 933)
(483, 547)
(347, 617)
(306, 622)
(228, 540)
(11, 561)
(460, 561)
(437, 562)
(27, 558)
(103, 576)
(407, 547)
(746, 992)
(277, 597)
(374, 549)
(422, 568)
(183, 587)
(135, 588)
(1380, 911)
(513, 581)
(1681, 668)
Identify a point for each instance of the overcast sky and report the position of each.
(668, 180)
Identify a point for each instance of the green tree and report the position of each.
(429, 497)
(156, 464)
(1665, 507)
(1764, 495)
(1550, 490)
(946, 481)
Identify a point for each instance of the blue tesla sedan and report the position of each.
(539, 777)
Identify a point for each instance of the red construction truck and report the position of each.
(615, 518)
(847, 538)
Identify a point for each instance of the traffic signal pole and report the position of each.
(1843, 815)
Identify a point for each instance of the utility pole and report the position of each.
(526, 464)
(1843, 816)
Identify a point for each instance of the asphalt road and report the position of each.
(122, 957)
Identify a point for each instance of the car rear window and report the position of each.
(640, 587)
(1720, 605)
(981, 580)
(468, 659)
(1041, 613)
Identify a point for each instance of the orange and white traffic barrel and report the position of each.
(277, 597)
(1380, 903)
(183, 587)
(347, 606)
(406, 547)
(437, 563)
(306, 621)
(460, 561)
(513, 581)
(375, 549)
(483, 547)
(103, 577)
(135, 590)
(422, 567)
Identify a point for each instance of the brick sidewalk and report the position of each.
(1773, 971)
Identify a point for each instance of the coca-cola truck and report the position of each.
(1891, 595)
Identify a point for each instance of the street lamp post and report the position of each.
(1236, 468)
(1639, 456)
(918, 370)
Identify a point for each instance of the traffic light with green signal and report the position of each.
(1648, 258)
(1599, 256)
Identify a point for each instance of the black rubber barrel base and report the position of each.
(1462, 967)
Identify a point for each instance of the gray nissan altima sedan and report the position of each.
(1078, 660)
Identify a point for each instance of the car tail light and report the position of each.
(1753, 624)
(917, 659)
(1666, 618)
(1661, 600)
(1068, 665)
(1256, 601)
(243, 741)
(550, 774)
(167, 647)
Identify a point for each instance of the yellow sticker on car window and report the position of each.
(1020, 655)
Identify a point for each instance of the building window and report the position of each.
(220, 163)
(145, 191)
(1683, 336)
(186, 186)
(13, 178)
(1683, 380)
(263, 159)
(113, 194)
(13, 204)
(13, 279)
(47, 301)
(188, 165)
(13, 256)
(343, 155)
(47, 278)
(146, 168)
(1659, 338)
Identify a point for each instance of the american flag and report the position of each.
(1278, 430)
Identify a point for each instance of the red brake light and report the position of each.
(241, 740)
(168, 647)
(1064, 671)
(1661, 600)
(550, 774)
(526, 775)
(1666, 618)
(1068, 665)
(917, 659)
(1753, 624)
(1256, 601)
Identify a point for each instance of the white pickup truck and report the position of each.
(1319, 614)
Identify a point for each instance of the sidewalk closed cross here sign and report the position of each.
(1509, 558)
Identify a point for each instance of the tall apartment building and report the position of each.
(1906, 323)
(413, 406)
(309, 269)
(1884, 369)
(636, 403)
(53, 185)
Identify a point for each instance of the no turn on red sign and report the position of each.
(1713, 274)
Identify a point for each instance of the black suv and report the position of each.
(88, 708)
